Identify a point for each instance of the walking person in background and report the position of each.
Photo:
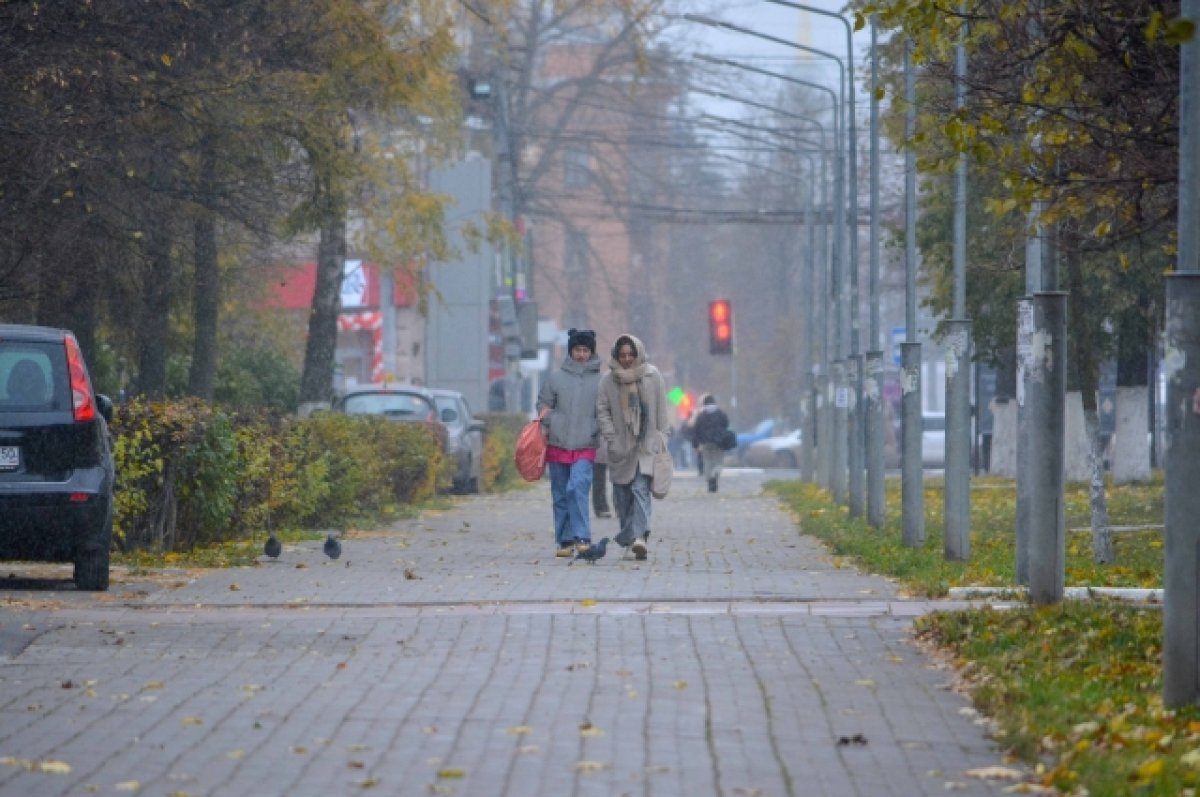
(689, 434)
(571, 438)
(634, 419)
(711, 425)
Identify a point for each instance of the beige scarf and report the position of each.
(631, 396)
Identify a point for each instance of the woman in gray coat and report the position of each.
(571, 437)
(634, 419)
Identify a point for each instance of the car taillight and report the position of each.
(82, 400)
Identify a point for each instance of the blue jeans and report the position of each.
(633, 509)
(571, 488)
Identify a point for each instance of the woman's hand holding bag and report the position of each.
(530, 452)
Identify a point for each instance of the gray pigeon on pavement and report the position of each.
(592, 552)
(333, 548)
(273, 547)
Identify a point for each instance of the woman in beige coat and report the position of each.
(634, 419)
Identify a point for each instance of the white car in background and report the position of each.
(933, 440)
(781, 451)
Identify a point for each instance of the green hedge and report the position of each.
(499, 442)
(190, 473)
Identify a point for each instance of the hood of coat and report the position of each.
(637, 344)
(571, 366)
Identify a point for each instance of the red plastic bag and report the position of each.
(530, 454)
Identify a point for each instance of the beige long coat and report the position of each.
(626, 454)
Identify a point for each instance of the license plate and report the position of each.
(10, 457)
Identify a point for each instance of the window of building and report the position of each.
(577, 166)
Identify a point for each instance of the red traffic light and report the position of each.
(720, 327)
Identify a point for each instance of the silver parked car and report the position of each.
(781, 451)
(464, 439)
(933, 439)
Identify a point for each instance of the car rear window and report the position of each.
(393, 405)
(33, 377)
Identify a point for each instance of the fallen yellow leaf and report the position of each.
(192, 721)
(588, 602)
(591, 766)
(995, 773)
(1151, 768)
(451, 774)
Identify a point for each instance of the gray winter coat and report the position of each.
(570, 393)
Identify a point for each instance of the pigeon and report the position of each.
(333, 548)
(592, 552)
(273, 548)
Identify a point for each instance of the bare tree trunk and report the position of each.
(1086, 362)
(206, 287)
(158, 289)
(316, 384)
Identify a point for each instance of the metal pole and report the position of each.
(873, 376)
(821, 374)
(503, 136)
(855, 439)
(1039, 276)
(957, 495)
(1046, 386)
(841, 398)
(824, 432)
(912, 508)
(808, 415)
(1181, 620)
(1181, 605)
(1024, 436)
(912, 477)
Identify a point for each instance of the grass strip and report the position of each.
(1074, 690)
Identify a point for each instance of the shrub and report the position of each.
(190, 473)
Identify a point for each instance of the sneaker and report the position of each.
(582, 545)
(565, 550)
(639, 549)
(603, 513)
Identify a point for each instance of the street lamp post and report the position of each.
(853, 362)
(816, 362)
(834, 423)
(873, 376)
(857, 441)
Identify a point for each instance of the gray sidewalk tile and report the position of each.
(740, 659)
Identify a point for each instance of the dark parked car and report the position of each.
(56, 464)
(464, 439)
(395, 402)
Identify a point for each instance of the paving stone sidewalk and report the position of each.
(454, 654)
